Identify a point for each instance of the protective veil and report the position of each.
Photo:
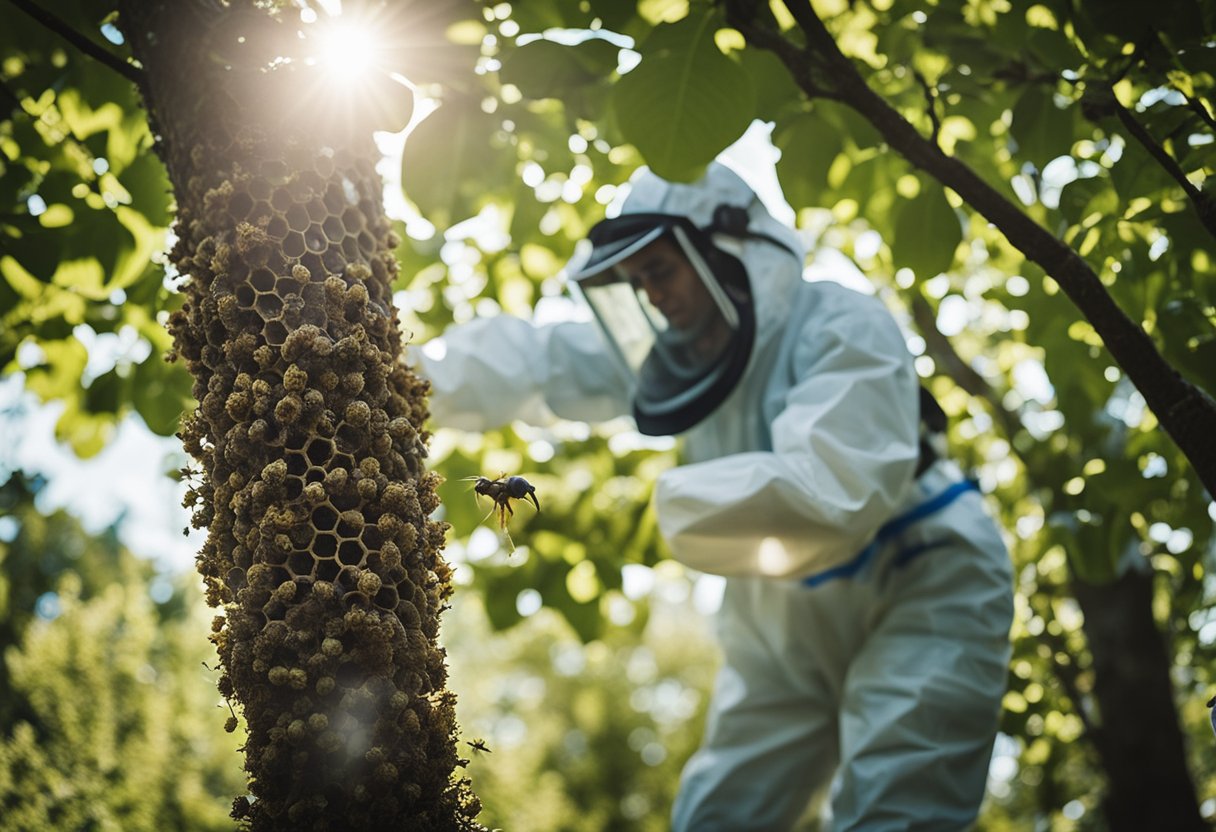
(866, 615)
(684, 366)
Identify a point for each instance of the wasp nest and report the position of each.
(320, 548)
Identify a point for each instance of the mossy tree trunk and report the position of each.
(309, 434)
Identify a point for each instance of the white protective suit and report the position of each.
(866, 614)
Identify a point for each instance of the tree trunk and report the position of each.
(1139, 740)
(309, 433)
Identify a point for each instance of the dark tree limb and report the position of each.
(1200, 109)
(1186, 413)
(930, 105)
(1204, 206)
(10, 104)
(939, 348)
(87, 46)
(1068, 675)
(806, 74)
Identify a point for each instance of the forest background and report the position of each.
(583, 660)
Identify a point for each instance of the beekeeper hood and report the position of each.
(677, 280)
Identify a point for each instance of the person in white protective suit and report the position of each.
(868, 598)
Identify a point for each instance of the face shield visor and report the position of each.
(678, 311)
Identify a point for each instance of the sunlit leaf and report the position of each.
(684, 104)
(809, 145)
(161, 392)
(449, 159)
(544, 69)
(927, 231)
(1042, 129)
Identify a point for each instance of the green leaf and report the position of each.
(1042, 130)
(616, 15)
(927, 232)
(161, 392)
(546, 69)
(1079, 195)
(850, 123)
(86, 432)
(83, 277)
(451, 158)
(775, 88)
(1137, 173)
(148, 184)
(106, 394)
(58, 376)
(809, 145)
(684, 103)
(538, 15)
(1190, 339)
(871, 184)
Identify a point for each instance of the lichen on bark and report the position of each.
(320, 551)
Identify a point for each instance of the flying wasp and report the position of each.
(502, 491)
(478, 745)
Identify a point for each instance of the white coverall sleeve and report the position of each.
(845, 447)
(491, 371)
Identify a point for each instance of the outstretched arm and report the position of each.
(493, 370)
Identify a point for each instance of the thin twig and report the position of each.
(1200, 108)
(931, 105)
(790, 55)
(1134, 58)
(9, 102)
(1128, 119)
(817, 35)
(1203, 204)
(88, 47)
(1068, 675)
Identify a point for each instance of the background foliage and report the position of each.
(506, 166)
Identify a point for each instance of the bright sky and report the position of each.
(126, 480)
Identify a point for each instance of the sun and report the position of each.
(347, 50)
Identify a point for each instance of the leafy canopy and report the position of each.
(537, 133)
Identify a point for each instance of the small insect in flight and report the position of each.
(478, 745)
(502, 491)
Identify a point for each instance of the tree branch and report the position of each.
(9, 102)
(89, 47)
(743, 16)
(1199, 108)
(1068, 674)
(1186, 413)
(1203, 205)
(939, 348)
(931, 105)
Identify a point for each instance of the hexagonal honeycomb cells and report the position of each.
(315, 495)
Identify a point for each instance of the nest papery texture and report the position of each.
(320, 549)
(314, 492)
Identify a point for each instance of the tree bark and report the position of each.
(1139, 739)
(309, 431)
